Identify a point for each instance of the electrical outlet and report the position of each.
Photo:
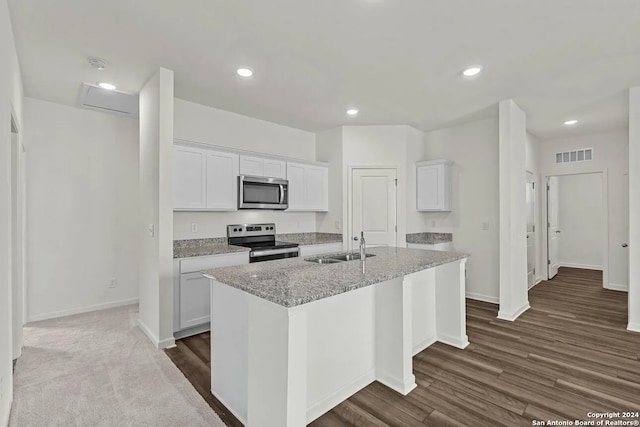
(337, 224)
(194, 227)
(113, 283)
(152, 230)
(485, 225)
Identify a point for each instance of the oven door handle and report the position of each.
(273, 252)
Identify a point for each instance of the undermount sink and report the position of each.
(322, 260)
(332, 259)
(349, 257)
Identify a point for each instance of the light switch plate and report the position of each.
(152, 230)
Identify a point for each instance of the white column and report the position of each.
(277, 365)
(634, 209)
(451, 317)
(156, 209)
(513, 238)
(394, 335)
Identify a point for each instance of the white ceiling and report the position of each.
(398, 61)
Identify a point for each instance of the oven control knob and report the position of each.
(235, 229)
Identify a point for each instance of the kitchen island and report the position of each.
(292, 338)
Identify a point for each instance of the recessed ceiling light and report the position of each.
(245, 72)
(472, 71)
(107, 86)
(352, 111)
(570, 122)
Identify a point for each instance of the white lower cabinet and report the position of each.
(192, 305)
(310, 250)
(445, 246)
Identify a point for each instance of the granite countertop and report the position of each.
(294, 281)
(218, 245)
(304, 239)
(204, 247)
(429, 238)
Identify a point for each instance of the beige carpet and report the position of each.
(99, 369)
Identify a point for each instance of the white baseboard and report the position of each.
(80, 310)
(147, 332)
(417, 348)
(481, 297)
(325, 404)
(192, 331)
(454, 341)
(6, 409)
(513, 316)
(240, 418)
(401, 385)
(537, 280)
(617, 287)
(583, 266)
(635, 327)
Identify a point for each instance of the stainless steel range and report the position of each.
(261, 238)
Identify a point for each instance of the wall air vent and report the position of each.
(581, 155)
(108, 100)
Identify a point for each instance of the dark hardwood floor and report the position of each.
(568, 355)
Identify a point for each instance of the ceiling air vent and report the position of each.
(108, 100)
(582, 155)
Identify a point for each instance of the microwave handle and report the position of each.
(281, 194)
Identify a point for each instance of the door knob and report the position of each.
(624, 245)
(558, 232)
(355, 237)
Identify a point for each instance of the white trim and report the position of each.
(418, 347)
(617, 287)
(582, 266)
(205, 145)
(399, 203)
(605, 220)
(192, 331)
(482, 297)
(513, 316)
(6, 411)
(634, 327)
(147, 332)
(402, 386)
(453, 341)
(243, 420)
(166, 343)
(538, 280)
(80, 310)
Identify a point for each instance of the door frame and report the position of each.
(348, 202)
(604, 232)
(536, 227)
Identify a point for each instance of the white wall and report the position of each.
(82, 174)
(381, 146)
(581, 220)
(156, 209)
(533, 166)
(473, 147)
(610, 151)
(199, 123)
(10, 99)
(329, 149)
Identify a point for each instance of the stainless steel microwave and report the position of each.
(258, 192)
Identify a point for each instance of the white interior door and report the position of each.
(625, 224)
(17, 242)
(374, 206)
(553, 229)
(531, 230)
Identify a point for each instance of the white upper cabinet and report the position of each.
(204, 179)
(308, 187)
(222, 181)
(433, 185)
(258, 166)
(190, 179)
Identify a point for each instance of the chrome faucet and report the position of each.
(363, 247)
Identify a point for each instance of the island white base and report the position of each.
(278, 366)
